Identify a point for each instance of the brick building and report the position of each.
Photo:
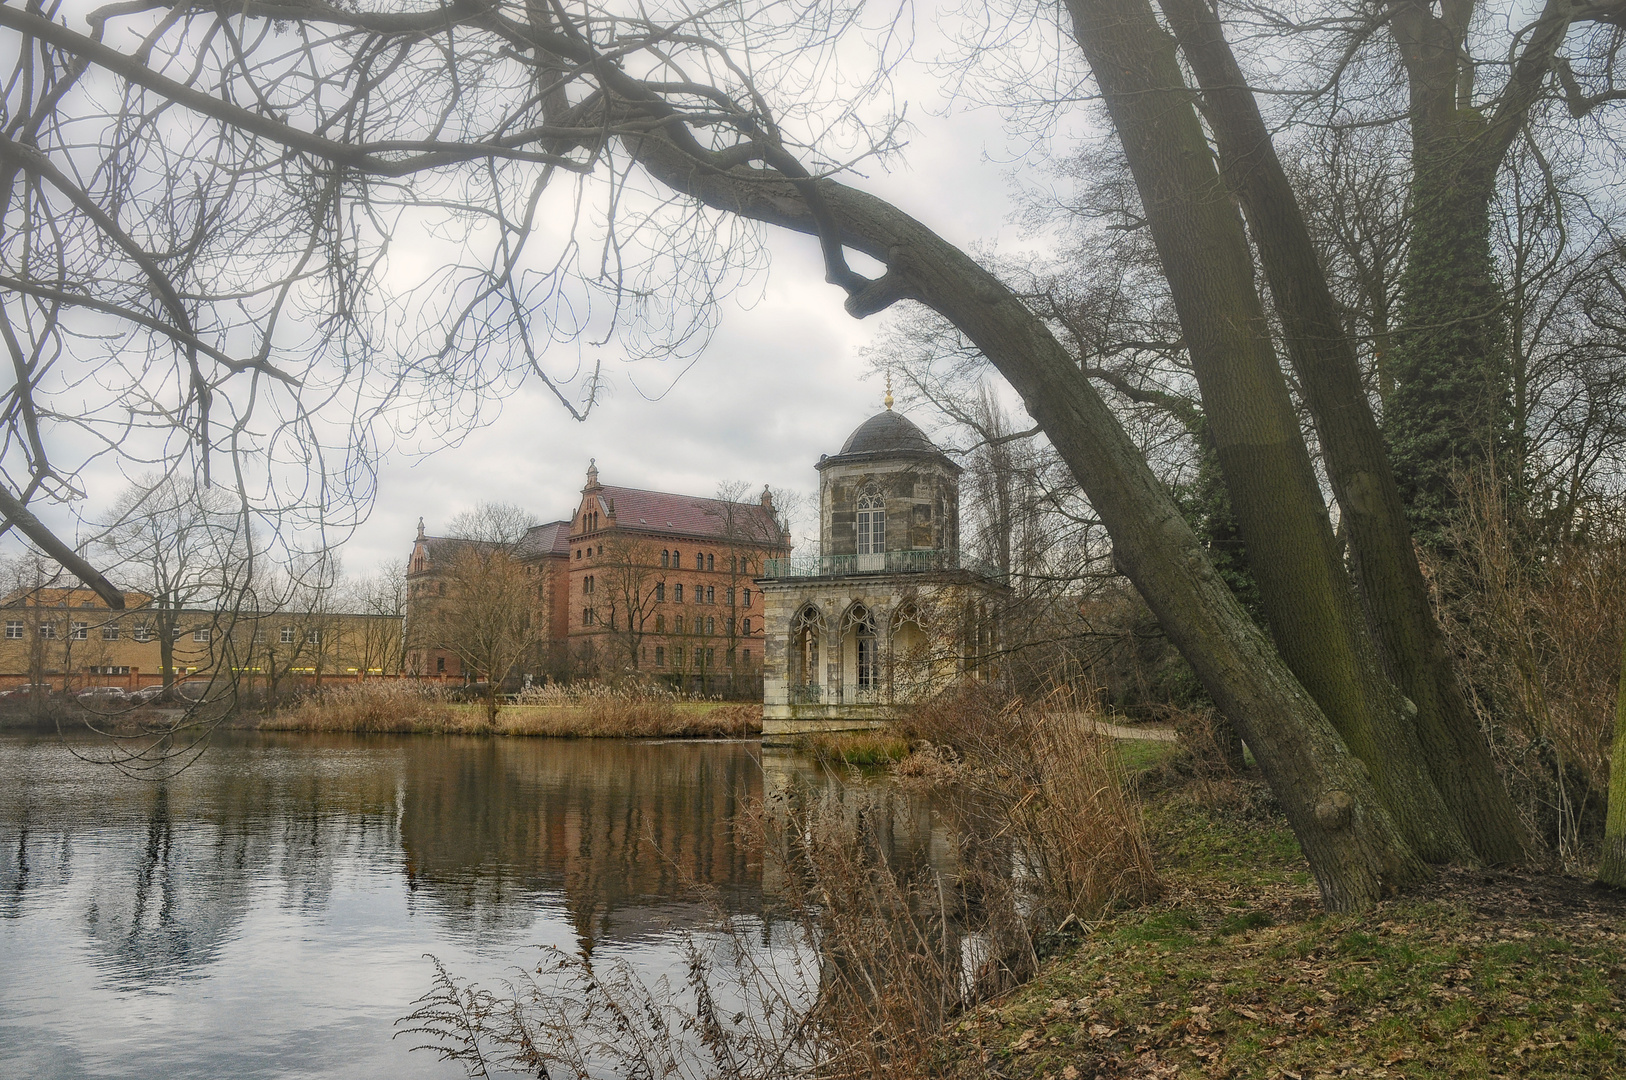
(68, 638)
(633, 581)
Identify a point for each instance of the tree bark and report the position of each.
(1394, 595)
(1303, 587)
(1612, 866)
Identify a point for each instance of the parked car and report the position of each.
(26, 690)
(146, 695)
(102, 695)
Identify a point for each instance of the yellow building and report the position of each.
(68, 638)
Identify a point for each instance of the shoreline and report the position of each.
(593, 720)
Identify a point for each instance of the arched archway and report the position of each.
(807, 629)
(908, 658)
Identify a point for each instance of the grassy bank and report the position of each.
(1236, 971)
(398, 710)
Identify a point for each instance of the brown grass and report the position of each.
(375, 708)
(1043, 774)
(402, 708)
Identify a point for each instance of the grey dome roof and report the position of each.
(888, 431)
(887, 435)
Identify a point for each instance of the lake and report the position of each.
(271, 910)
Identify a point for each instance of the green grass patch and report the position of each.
(1239, 973)
(1139, 755)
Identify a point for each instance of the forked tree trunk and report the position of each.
(1303, 587)
(1391, 586)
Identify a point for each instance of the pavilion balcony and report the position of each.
(887, 562)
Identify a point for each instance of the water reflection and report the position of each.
(620, 830)
(267, 912)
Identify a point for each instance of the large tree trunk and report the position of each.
(1303, 587)
(1391, 586)
(1612, 866)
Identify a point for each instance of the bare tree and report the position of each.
(485, 618)
(185, 546)
(623, 596)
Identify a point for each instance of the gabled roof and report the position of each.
(690, 515)
(550, 539)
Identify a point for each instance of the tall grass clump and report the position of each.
(1043, 773)
(374, 707)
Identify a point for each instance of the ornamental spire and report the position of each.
(889, 391)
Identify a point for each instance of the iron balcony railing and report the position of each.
(889, 562)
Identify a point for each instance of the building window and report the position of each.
(711, 562)
(110, 632)
(729, 657)
(747, 597)
(287, 635)
(440, 664)
(201, 634)
(745, 656)
(48, 630)
(142, 632)
(587, 616)
(660, 592)
(711, 657)
(578, 553)
(677, 593)
(660, 624)
(871, 523)
(175, 633)
(666, 559)
(80, 631)
(677, 558)
(711, 594)
(677, 624)
(14, 628)
(730, 600)
(747, 627)
(587, 583)
(313, 637)
(660, 656)
(699, 561)
(711, 625)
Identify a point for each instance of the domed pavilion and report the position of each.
(885, 612)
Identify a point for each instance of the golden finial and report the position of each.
(889, 391)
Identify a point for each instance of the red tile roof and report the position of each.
(690, 515)
(550, 539)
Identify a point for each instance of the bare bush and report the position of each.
(1537, 624)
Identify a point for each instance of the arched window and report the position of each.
(803, 655)
(711, 562)
(871, 523)
(747, 627)
(666, 558)
(699, 561)
(861, 624)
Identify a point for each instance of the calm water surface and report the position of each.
(268, 912)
